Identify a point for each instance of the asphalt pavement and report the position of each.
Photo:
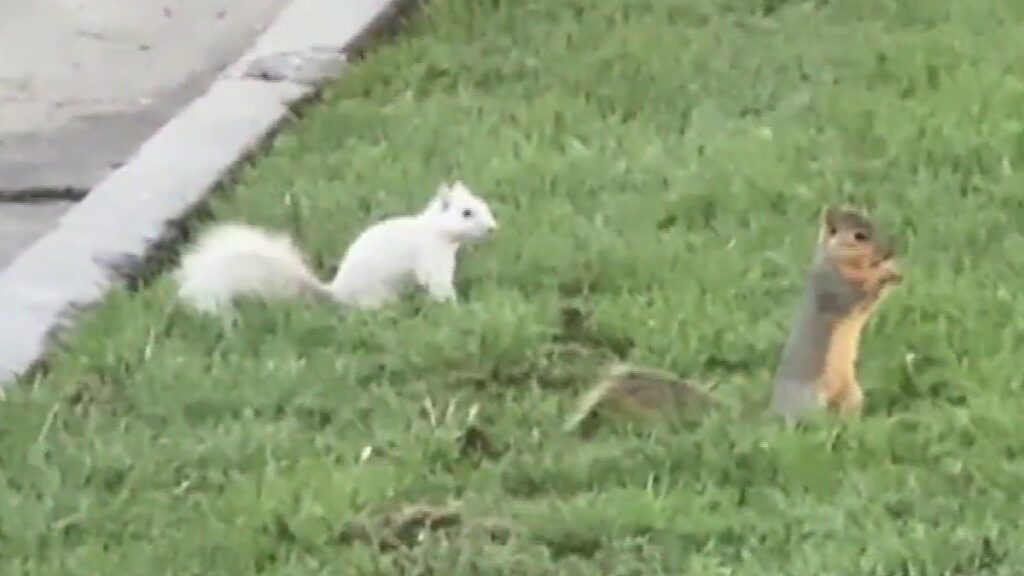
(84, 82)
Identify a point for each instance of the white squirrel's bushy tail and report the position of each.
(232, 259)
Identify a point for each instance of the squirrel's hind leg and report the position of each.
(847, 400)
(374, 299)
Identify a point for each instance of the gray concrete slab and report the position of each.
(22, 223)
(109, 234)
(129, 212)
(84, 82)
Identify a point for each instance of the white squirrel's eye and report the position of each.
(467, 213)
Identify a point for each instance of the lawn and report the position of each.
(657, 164)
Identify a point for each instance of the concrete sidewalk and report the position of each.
(105, 238)
(84, 82)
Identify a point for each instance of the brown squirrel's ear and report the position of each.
(828, 213)
(845, 216)
(827, 221)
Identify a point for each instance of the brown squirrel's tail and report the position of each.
(640, 392)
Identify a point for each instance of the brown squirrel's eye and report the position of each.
(832, 230)
(860, 236)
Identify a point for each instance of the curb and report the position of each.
(108, 236)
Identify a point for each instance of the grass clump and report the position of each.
(657, 165)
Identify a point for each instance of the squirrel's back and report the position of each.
(637, 391)
(380, 262)
(234, 259)
(803, 355)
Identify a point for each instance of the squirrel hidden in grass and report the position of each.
(232, 260)
(852, 268)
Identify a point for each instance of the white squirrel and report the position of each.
(397, 253)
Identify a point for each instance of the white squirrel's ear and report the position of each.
(443, 196)
(460, 189)
(444, 191)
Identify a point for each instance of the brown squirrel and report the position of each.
(852, 268)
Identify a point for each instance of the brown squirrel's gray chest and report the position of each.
(827, 296)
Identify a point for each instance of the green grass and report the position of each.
(659, 163)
